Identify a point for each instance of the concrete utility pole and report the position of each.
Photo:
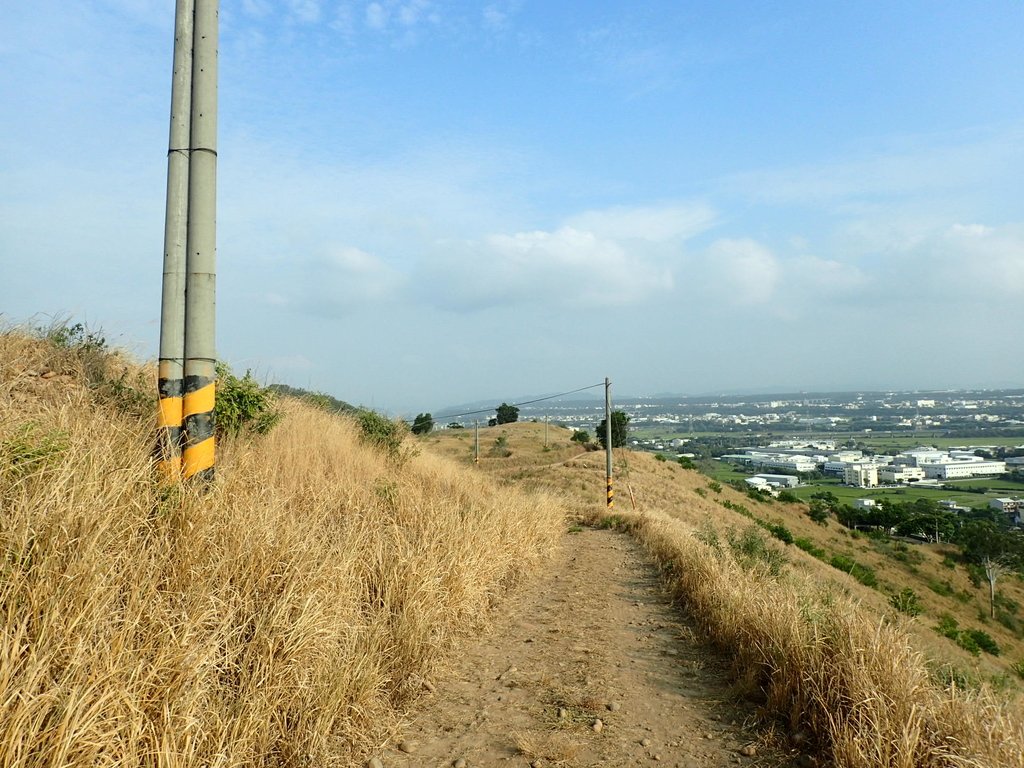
(608, 439)
(172, 309)
(476, 435)
(545, 430)
(200, 281)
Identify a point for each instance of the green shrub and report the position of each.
(788, 497)
(701, 492)
(948, 626)
(242, 405)
(906, 601)
(966, 641)
(660, 457)
(685, 462)
(862, 573)
(943, 588)
(810, 548)
(715, 486)
(780, 532)
(982, 640)
(381, 432)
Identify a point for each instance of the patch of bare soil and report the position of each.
(590, 665)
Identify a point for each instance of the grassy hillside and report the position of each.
(286, 617)
(835, 663)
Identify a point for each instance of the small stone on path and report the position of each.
(407, 746)
(459, 763)
(374, 762)
(614, 706)
(598, 726)
(645, 742)
(748, 751)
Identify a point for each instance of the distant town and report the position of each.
(874, 441)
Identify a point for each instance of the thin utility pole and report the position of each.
(172, 307)
(476, 435)
(545, 430)
(608, 439)
(200, 280)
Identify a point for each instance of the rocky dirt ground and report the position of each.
(590, 664)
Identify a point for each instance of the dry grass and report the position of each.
(284, 618)
(826, 665)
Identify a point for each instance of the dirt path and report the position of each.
(590, 665)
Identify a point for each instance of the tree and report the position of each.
(580, 436)
(422, 424)
(507, 413)
(620, 430)
(995, 549)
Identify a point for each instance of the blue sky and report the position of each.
(424, 203)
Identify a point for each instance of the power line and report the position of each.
(525, 402)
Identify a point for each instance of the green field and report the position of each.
(725, 472)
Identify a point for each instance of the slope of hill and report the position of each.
(285, 617)
(823, 650)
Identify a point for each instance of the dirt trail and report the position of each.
(595, 637)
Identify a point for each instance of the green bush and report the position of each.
(810, 548)
(660, 457)
(382, 433)
(966, 641)
(948, 626)
(580, 436)
(242, 405)
(715, 486)
(906, 601)
(862, 573)
(982, 640)
(780, 532)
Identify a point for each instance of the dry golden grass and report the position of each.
(287, 617)
(827, 665)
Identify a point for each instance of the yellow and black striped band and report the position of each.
(198, 424)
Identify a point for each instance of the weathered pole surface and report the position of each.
(476, 434)
(200, 283)
(608, 439)
(170, 372)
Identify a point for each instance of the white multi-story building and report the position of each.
(894, 474)
(954, 470)
(861, 474)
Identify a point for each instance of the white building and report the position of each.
(893, 474)
(864, 503)
(953, 470)
(861, 474)
(781, 481)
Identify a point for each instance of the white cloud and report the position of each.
(376, 16)
(616, 257)
(658, 224)
(744, 271)
(305, 11)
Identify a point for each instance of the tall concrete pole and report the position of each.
(608, 439)
(200, 282)
(172, 308)
(476, 434)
